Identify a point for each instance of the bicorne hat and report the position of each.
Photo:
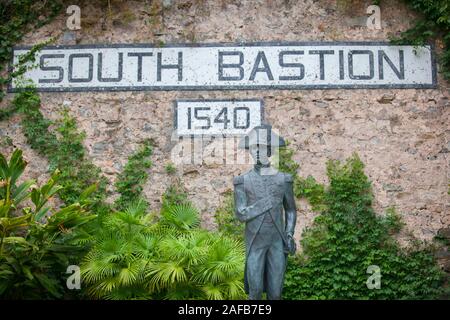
(261, 135)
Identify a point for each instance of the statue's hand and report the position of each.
(292, 246)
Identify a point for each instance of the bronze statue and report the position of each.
(261, 196)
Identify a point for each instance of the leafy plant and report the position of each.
(130, 182)
(19, 17)
(135, 257)
(435, 23)
(6, 113)
(307, 187)
(284, 162)
(175, 194)
(226, 220)
(310, 189)
(64, 148)
(114, 267)
(38, 241)
(348, 237)
(170, 168)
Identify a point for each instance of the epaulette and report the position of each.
(238, 180)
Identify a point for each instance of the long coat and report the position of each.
(255, 195)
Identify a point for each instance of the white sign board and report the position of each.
(302, 65)
(217, 117)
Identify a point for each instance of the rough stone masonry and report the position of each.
(402, 135)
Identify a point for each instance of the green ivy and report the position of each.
(347, 237)
(7, 112)
(19, 17)
(285, 163)
(226, 220)
(435, 22)
(307, 187)
(64, 148)
(170, 168)
(34, 125)
(174, 195)
(130, 182)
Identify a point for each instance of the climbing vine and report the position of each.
(64, 148)
(435, 23)
(226, 220)
(347, 237)
(307, 187)
(19, 17)
(130, 182)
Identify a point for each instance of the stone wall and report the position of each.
(401, 135)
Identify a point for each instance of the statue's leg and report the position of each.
(276, 265)
(255, 267)
(255, 273)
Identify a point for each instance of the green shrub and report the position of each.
(307, 188)
(130, 182)
(226, 220)
(134, 257)
(38, 242)
(284, 160)
(348, 237)
(310, 189)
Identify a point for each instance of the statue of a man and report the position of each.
(264, 200)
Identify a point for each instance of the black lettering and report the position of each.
(238, 66)
(341, 64)
(350, 65)
(189, 118)
(90, 70)
(300, 66)
(178, 66)
(100, 67)
(196, 116)
(139, 56)
(222, 117)
(401, 61)
(265, 68)
(321, 54)
(43, 67)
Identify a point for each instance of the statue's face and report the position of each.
(260, 153)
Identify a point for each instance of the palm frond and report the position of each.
(145, 246)
(128, 275)
(234, 289)
(212, 292)
(97, 270)
(183, 216)
(107, 285)
(136, 292)
(164, 274)
(183, 291)
(111, 248)
(225, 258)
(189, 248)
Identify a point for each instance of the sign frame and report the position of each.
(175, 114)
(431, 85)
